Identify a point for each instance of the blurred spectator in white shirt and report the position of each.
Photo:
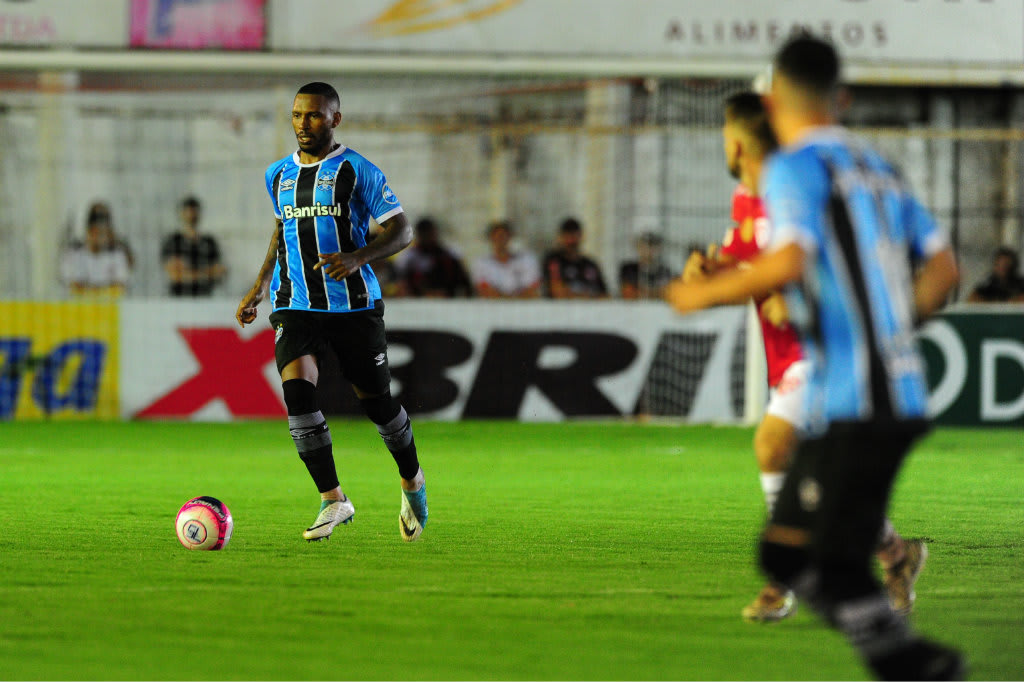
(506, 273)
(99, 265)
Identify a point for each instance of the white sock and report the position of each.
(771, 484)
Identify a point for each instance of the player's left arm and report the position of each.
(766, 274)
(396, 234)
(934, 283)
(938, 274)
(373, 191)
(796, 191)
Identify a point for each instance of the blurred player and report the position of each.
(326, 298)
(863, 262)
(748, 139)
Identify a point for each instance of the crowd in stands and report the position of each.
(102, 263)
(431, 268)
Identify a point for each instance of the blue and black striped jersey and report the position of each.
(325, 207)
(862, 233)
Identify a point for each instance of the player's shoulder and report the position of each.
(357, 160)
(803, 165)
(279, 165)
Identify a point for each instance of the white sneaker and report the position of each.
(332, 513)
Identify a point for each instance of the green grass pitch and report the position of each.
(556, 551)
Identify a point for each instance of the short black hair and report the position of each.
(652, 239)
(425, 225)
(191, 202)
(570, 225)
(321, 89)
(810, 63)
(98, 213)
(747, 110)
(1007, 252)
(499, 225)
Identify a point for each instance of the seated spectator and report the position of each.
(97, 266)
(1004, 283)
(647, 275)
(428, 269)
(567, 272)
(505, 273)
(192, 260)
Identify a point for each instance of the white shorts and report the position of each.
(786, 401)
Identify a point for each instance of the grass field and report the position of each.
(564, 551)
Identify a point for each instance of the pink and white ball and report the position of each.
(204, 523)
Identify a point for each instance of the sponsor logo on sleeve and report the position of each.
(389, 196)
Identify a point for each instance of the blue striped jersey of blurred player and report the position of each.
(862, 232)
(325, 207)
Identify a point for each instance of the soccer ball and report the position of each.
(204, 523)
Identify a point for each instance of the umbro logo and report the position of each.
(380, 359)
(287, 184)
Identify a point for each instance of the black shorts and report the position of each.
(357, 339)
(838, 485)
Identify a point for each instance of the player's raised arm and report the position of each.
(765, 274)
(246, 312)
(395, 236)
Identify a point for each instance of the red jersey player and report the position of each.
(748, 140)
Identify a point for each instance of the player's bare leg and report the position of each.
(774, 442)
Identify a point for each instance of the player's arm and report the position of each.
(938, 275)
(766, 274)
(934, 282)
(246, 312)
(395, 235)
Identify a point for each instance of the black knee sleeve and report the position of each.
(782, 563)
(395, 430)
(299, 396)
(381, 409)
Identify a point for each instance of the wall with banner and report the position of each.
(531, 361)
(988, 31)
(59, 360)
(886, 32)
(975, 364)
(534, 361)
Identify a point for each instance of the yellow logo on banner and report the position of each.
(419, 16)
(58, 360)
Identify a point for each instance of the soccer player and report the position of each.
(325, 298)
(863, 262)
(748, 139)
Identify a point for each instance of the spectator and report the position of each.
(97, 266)
(1004, 283)
(428, 269)
(647, 275)
(505, 273)
(99, 210)
(567, 272)
(192, 260)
